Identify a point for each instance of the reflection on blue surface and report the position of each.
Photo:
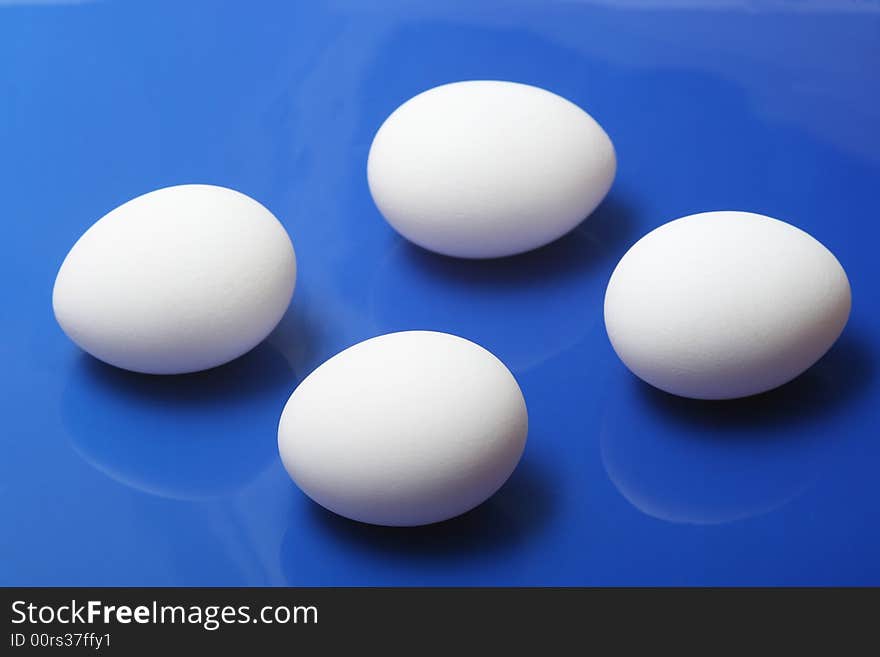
(115, 478)
(558, 291)
(690, 461)
(503, 526)
(193, 436)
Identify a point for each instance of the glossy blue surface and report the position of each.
(111, 478)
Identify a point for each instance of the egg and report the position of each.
(721, 305)
(404, 429)
(181, 279)
(486, 168)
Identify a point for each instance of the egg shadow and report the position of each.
(195, 436)
(824, 390)
(259, 371)
(504, 304)
(599, 237)
(301, 334)
(515, 513)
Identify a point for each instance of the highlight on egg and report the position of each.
(722, 305)
(177, 280)
(404, 429)
(488, 168)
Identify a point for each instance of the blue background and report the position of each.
(111, 478)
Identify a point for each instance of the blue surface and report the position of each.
(111, 478)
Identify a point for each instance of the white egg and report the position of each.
(404, 429)
(485, 168)
(180, 279)
(725, 304)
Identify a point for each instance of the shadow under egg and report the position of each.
(516, 513)
(189, 437)
(711, 462)
(525, 309)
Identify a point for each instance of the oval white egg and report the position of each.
(721, 305)
(404, 429)
(486, 168)
(181, 279)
